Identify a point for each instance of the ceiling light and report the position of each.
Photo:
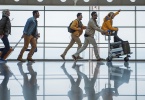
(109, 0)
(63, 0)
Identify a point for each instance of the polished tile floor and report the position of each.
(82, 80)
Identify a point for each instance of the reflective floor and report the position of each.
(82, 80)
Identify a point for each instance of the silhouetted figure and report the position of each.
(29, 85)
(89, 83)
(4, 91)
(76, 92)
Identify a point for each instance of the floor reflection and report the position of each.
(72, 80)
(76, 93)
(29, 85)
(4, 91)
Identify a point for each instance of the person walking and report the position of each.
(30, 34)
(89, 37)
(78, 27)
(5, 30)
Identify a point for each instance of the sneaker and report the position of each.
(30, 60)
(74, 57)
(20, 59)
(62, 56)
(100, 59)
(80, 57)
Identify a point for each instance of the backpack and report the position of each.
(71, 30)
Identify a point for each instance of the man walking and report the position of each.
(89, 37)
(5, 30)
(30, 34)
(78, 27)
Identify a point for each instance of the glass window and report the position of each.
(140, 35)
(140, 21)
(124, 18)
(64, 18)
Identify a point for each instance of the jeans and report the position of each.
(6, 44)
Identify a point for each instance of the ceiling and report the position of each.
(74, 2)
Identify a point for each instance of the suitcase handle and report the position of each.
(17, 43)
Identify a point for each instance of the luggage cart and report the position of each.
(115, 50)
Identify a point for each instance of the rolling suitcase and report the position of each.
(126, 47)
(11, 49)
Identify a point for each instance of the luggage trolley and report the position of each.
(117, 49)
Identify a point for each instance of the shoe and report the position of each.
(62, 56)
(3, 61)
(20, 59)
(74, 57)
(100, 59)
(80, 57)
(30, 59)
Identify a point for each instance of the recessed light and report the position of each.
(63, 0)
(109, 0)
(86, 0)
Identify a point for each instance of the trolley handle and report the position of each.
(109, 34)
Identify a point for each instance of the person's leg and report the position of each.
(26, 44)
(67, 48)
(81, 49)
(33, 47)
(6, 44)
(78, 41)
(116, 38)
(93, 42)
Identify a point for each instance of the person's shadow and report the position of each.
(76, 92)
(90, 83)
(4, 91)
(29, 85)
